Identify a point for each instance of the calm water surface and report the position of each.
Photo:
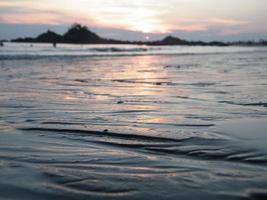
(133, 122)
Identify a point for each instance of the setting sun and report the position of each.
(144, 27)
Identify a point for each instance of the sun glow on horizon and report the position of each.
(147, 37)
(145, 16)
(145, 27)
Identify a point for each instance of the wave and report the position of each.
(204, 148)
(262, 104)
(113, 49)
(69, 56)
(101, 134)
(18, 52)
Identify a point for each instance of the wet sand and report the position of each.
(134, 127)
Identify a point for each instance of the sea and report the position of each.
(132, 122)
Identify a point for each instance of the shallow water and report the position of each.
(133, 122)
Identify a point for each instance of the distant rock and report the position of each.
(48, 37)
(170, 40)
(27, 39)
(80, 34)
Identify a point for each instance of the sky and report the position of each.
(207, 20)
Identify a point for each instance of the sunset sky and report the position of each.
(138, 19)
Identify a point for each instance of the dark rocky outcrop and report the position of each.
(80, 34)
(48, 37)
(170, 40)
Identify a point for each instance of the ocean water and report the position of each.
(132, 122)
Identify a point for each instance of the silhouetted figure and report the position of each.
(54, 44)
(1, 44)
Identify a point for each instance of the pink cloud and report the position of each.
(191, 28)
(195, 25)
(44, 17)
(227, 22)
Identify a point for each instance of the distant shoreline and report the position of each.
(78, 34)
(230, 44)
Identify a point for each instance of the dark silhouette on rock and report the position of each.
(78, 34)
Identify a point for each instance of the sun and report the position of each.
(144, 27)
(148, 27)
(144, 20)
